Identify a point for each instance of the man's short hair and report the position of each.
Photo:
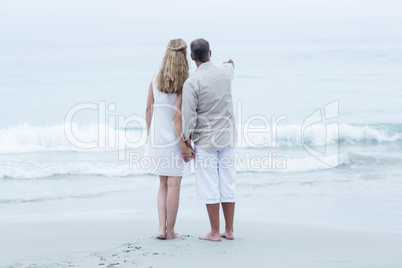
(200, 50)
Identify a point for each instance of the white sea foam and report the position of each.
(34, 169)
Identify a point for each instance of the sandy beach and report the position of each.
(124, 243)
(274, 227)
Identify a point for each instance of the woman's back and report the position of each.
(162, 144)
(162, 126)
(163, 100)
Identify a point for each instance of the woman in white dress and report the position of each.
(164, 127)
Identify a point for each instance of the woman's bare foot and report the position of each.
(161, 234)
(227, 235)
(172, 236)
(211, 237)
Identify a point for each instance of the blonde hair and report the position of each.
(174, 70)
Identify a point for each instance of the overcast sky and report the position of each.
(129, 21)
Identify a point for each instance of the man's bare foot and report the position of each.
(172, 236)
(227, 235)
(211, 237)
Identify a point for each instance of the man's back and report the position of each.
(207, 110)
(208, 107)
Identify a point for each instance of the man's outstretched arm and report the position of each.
(230, 66)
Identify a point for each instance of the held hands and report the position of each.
(187, 152)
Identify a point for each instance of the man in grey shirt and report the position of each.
(208, 120)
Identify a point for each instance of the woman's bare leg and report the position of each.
(161, 200)
(172, 205)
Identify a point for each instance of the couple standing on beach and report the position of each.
(198, 108)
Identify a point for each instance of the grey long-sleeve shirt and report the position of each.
(207, 107)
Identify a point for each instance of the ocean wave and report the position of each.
(320, 135)
(27, 139)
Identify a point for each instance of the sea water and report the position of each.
(277, 88)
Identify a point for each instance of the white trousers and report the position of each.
(215, 175)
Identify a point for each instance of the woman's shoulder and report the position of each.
(155, 75)
(154, 79)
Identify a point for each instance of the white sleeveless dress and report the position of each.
(162, 149)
